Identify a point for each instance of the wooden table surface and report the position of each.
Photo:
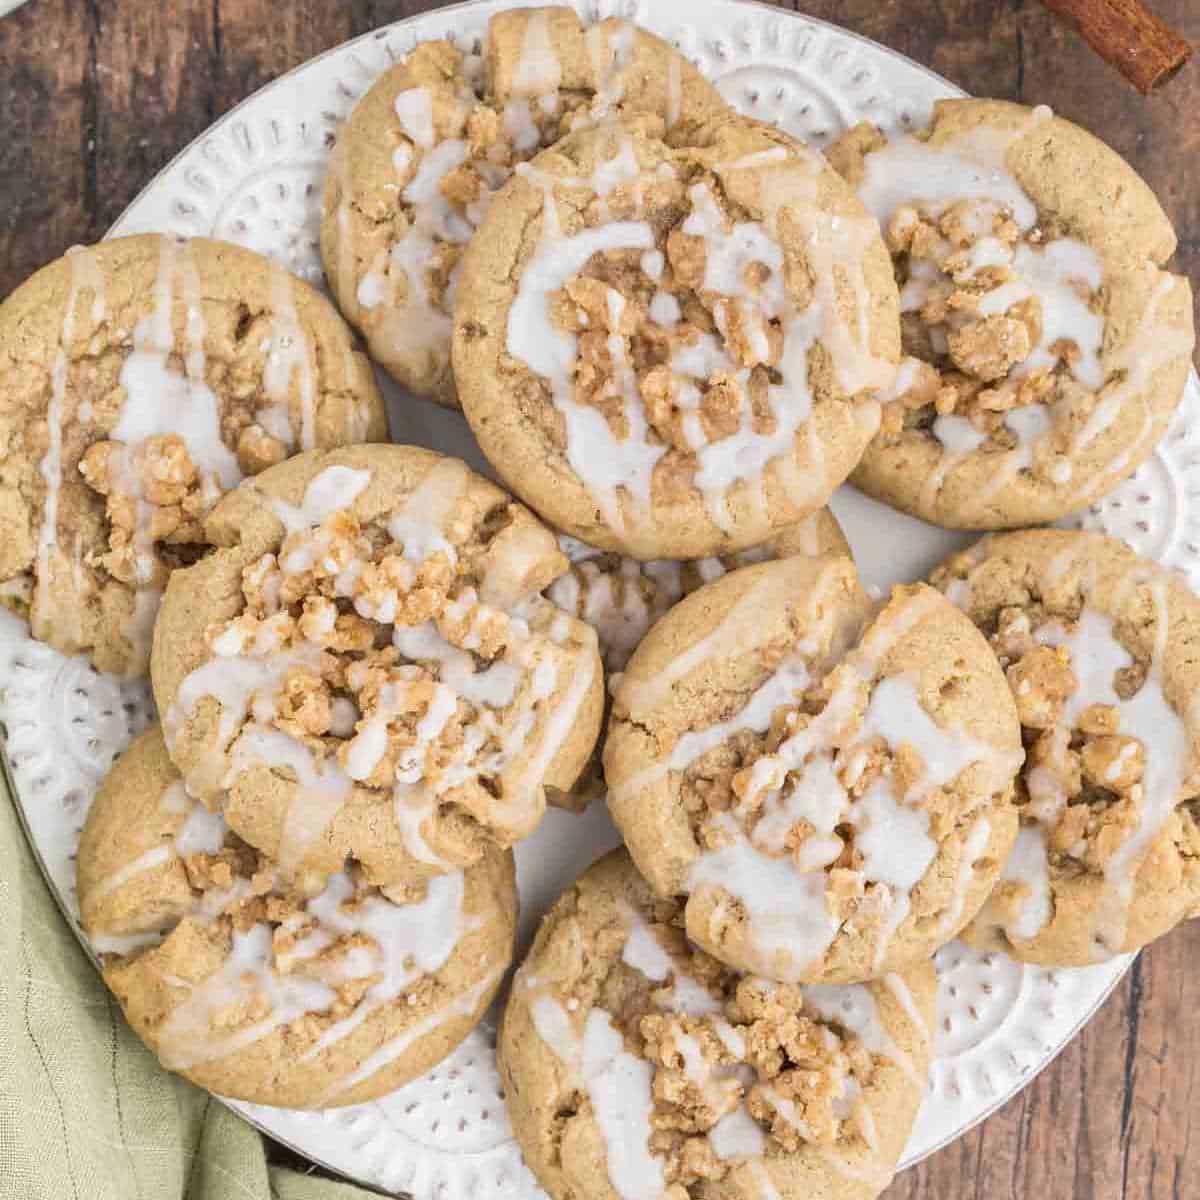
(98, 94)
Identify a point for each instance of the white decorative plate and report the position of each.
(255, 178)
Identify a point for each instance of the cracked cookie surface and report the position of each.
(621, 597)
(634, 1064)
(364, 665)
(826, 783)
(140, 379)
(255, 990)
(425, 150)
(671, 348)
(1046, 348)
(1102, 651)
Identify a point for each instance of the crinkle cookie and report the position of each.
(672, 350)
(1102, 650)
(248, 987)
(139, 380)
(417, 164)
(825, 783)
(1046, 347)
(635, 1065)
(363, 666)
(621, 597)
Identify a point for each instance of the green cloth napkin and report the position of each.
(86, 1113)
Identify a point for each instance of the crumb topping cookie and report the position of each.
(417, 164)
(636, 1066)
(364, 666)
(671, 350)
(1102, 651)
(250, 988)
(621, 597)
(139, 380)
(1046, 347)
(828, 786)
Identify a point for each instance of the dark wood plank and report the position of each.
(153, 93)
(47, 154)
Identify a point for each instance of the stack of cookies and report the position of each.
(674, 333)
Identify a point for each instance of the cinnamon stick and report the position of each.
(1128, 35)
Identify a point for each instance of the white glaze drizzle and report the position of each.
(1153, 346)
(974, 844)
(333, 489)
(790, 922)
(290, 356)
(201, 832)
(538, 70)
(84, 273)
(623, 1103)
(408, 942)
(608, 466)
(789, 919)
(414, 324)
(742, 627)
(419, 524)
(242, 685)
(147, 861)
(613, 603)
(414, 110)
(461, 1006)
(1029, 866)
(1148, 716)
(973, 166)
(514, 728)
(853, 1006)
(618, 473)
(158, 401)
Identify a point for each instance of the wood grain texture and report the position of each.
(1129, 36)
(99, 94)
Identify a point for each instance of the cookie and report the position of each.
(417, 164)
(621, 597)
(364, 666)
(1046, 348)
(248, 987)
(1102, 650)
(671, 350)
(826, 783)
(635, 1065)
(139, 380)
